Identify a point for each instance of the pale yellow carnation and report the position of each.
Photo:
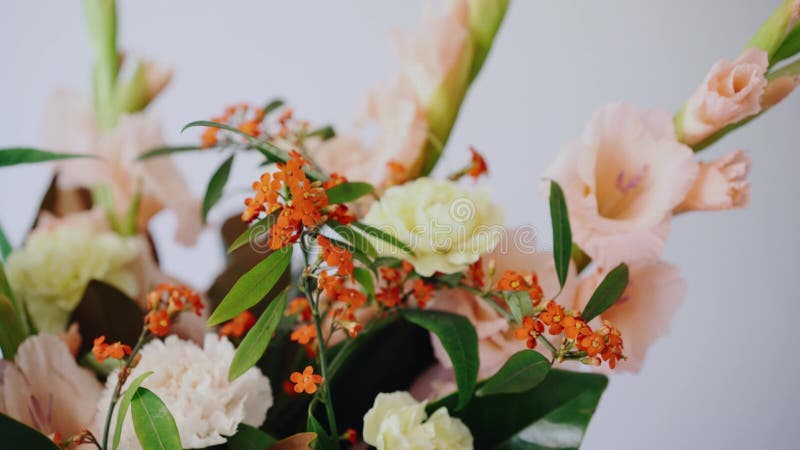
(397, 421)
(50, 273)
(446, 225)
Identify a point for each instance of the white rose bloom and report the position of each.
(448, 227)
(50, 273)
(397, 421)
(193, 384)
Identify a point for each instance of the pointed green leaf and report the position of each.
(359, 241)
(384, 236)
(262, 226)
(789, 47)
(562, 235)
(364, 278)
(520, 304)
(22, 155)
(23, 436)
(522, 372)
(557, 410)
(164, 151)
(609, 291)
(216, 185)
(5, 246)
(153, 422)
(324, 440)
(257, 340)
(347, 192)
(252, 286)
(223, 126)
(323, 133)
(250, 438)
(272, 105)
(12, 330)
(124, 403)
(459, 339)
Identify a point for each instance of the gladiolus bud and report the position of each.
(772, 33)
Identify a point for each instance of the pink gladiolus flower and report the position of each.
(721, 184)
(730, 92)
(622, 180)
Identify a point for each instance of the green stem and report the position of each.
(324, 371)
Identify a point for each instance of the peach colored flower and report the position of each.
(496, 341)
(45, 388)
(721, 184)
(71, 128)
(730, 92)
(778, 89)
(643, 313)
(402, 134)
(622, 180)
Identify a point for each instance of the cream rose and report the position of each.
(50, 273)
(447, 226)
(396, 421)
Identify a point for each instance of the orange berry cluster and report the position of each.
(395, 279)
(604, 344)
(103, 350)
(239, 325)
(249, 120)
(165, 301)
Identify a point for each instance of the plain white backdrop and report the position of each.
(726, 376)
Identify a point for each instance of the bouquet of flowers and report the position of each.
(364, 303)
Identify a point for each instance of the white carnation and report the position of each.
(193, 383)
(397, 421)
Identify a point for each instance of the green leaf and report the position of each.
(124, 403)
(22, 155)
(770, 35)
(384, 236)
(347, 192)
(272, 105)
(5, 246)
(262, 226)
(23, 436)
(324, 440)
(562, 235)
(459, 339)
(520, 304)
(359, 241)
(257, 339)
(164, 151)
(323, 133)
(5, 289)
(522, 372)
(364, 278)
(153, 422)
(250, 438)
(223, 126)
(12, 330)
(609, 291)
(789, 47)
(216, 185)
(252, 286)
(560, 406)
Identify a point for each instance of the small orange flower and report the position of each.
(239, 325)
(575, 328)
(389, 296)
(353, 297)
(101, 350)
(530, 331)
(553, 316)
(351, 327)
(391, 275)
(334, 180)
(614, 344)
(407, 267)
(342, 214)
(475, 275)
(515, 281)
(397, 172)
(423, 292)
(336, 256)
(304, 334)
(351, 436)
(330, 284)
(209, 138)
(478, 164)
(306, 382)
(175, 298)
(299, 305)
(592, 344)
(158, 322)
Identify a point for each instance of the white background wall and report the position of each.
(726, 376)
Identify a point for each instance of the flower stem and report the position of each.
(324, 371)
(121, 379)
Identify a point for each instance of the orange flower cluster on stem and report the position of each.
(247, 119)
(167, 300)
(239, 325)
(395, 280)
(102, 350)
(591, 347)
(515, 281)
